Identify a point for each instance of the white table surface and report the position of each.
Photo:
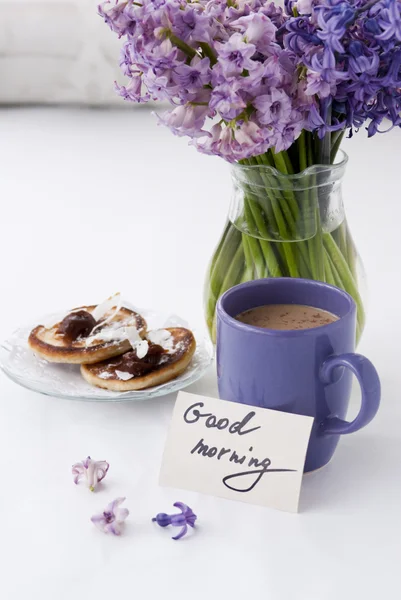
(98, 201)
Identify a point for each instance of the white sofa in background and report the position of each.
(56, 51)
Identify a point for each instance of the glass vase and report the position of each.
(286, 226)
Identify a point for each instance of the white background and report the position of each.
(96, 202)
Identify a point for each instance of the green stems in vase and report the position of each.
(286, 220)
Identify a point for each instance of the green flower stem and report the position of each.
(351, 252)
(219, 267)
(315, 244)
(344, 273)
(219, 247)
(337, 138)
(280, 218)
(283, 231)
(337, 279)
(329, 276)
(181, 45)
(303, 160)
(339, 283)
(283, 164)
(208, 52)
(254, 243)
(232, 277)
(305, 201)
(250, 266)
(256, 222)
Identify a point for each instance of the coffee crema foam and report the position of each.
(286, 317)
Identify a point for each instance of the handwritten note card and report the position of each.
(236, 451)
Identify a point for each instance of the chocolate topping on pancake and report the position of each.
(77, 324)
(156, 358)
(130, 363)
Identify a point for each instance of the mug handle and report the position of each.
(370, 388)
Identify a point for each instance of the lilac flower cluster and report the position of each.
(244, 77)
(352, 53)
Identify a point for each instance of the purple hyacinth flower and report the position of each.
(333, 23)
(317, 121)
(190, 23)
(322, 76)
(112, 518)
(132, 91)
(117, 17)
(183, 519)
(93, 470)
(194, 76)
(227, 101)
(235, 55)
(257, 29)
(362, 59)
(304, 7)
(187, 119)
(301, 38)
(286, 136)
(274, 108)
(389, 20)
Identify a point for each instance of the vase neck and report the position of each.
(291, 207)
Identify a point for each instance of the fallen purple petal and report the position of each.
(112, 518)
(183, 519)
(93, 471)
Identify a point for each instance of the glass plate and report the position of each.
(21, 365)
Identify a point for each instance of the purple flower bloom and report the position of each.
(226, 100)
(318, 123)
(191, 24)
(126, 59)
(362, 59)
(187, 119)
(273, 108)
(235, 55)
(301, 37)
(304, 7)
(132, 91)
(183, 519)
(258, 30)
(194, 76)
(158, 54)
(323, 76)
(160, 87)
(333, 23)
(112, 518)
(93, 470)
(286, 135)
(250, 139)
(274, 12)
(389, 19)
(117, 17)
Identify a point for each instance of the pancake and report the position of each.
(127, 372)
(55, 346)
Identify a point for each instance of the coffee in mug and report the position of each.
(286, 316)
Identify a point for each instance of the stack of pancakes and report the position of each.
(114, 347)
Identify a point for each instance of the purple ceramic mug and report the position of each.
(307, 372)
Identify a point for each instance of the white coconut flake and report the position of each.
(105, 375)
(162, 338)
(114, 333)
(123, 375)
(117, 334)
(102, 309)
(137, 343)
